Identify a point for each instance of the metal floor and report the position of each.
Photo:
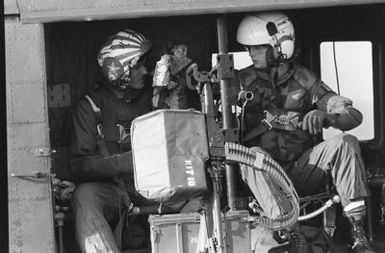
(378, 242)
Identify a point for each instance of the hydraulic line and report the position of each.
(261, 161)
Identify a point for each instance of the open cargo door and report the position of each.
(31, 227)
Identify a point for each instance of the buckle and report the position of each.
(267, 124)
(269, 119)
(99, 129)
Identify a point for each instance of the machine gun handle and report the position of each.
(200, 77)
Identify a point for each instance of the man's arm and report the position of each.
(341, 114)
(86, 161)
(331, 110)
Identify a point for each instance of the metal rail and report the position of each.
(226, 108)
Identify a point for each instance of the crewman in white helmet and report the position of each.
(290, 106)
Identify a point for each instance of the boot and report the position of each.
(298, 241)
(360, 241)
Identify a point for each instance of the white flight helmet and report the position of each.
(272, 28)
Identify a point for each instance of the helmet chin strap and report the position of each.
(127, 93)
(273, 64)
(271, 59)
(119, 85)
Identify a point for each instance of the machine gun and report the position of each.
(216, 138)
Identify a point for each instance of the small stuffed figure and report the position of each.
(169, 78)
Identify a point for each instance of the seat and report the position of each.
(328, 209)
(327, 199)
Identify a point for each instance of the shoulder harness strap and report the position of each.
(100, 136)
(93, 105)
(97, 112)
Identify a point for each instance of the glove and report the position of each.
(314, 121)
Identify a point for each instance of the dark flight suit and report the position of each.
(99, 195)
(296, 91)
(105, 172)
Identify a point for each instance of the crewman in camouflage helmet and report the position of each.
(101, 158)
(289, 108)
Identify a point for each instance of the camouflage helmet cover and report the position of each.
(121, 52)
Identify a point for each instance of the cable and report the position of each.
(336, 68)
(242, 124)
